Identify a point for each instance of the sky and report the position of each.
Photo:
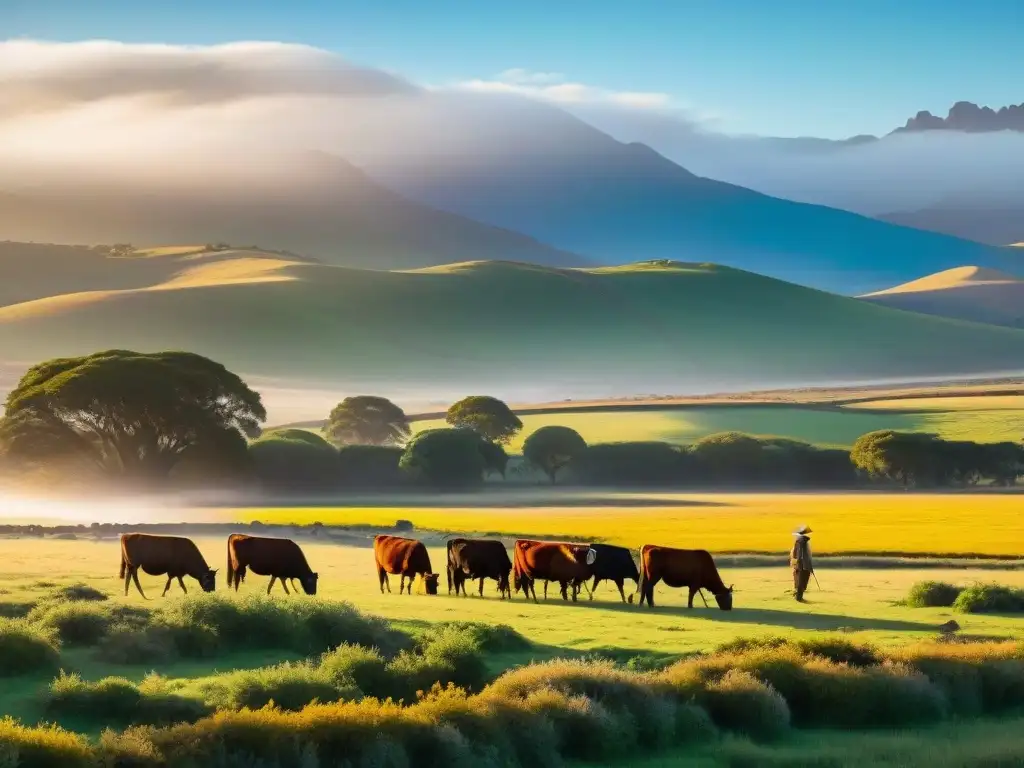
(781, 68)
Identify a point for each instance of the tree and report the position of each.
(910, 458)
(495, 457)
(294, 459)
(730, 456)
(128, 414)
(487, 416)
(552, 448)
(633, 463)
(370, 466)
(445, 457)
(367, 420)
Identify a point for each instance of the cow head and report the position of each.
(308, 583)
(430, 582)
(724, 599)
(208, 581)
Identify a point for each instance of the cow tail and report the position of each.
(230, 569)
(448, 564)
(641, 583)
(124, 566)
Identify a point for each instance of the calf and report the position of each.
(692, 568)
(405, 557)
(478, 559)
(277, 558)
(158, 555)
(549, 561)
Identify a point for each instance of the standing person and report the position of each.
(800, 561)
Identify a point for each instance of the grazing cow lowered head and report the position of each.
(430, 581)
(208, 581)
(724, 599)
(308, 583)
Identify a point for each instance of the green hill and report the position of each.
(518, 330)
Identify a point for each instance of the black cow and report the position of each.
(614, 564)
(478, 559)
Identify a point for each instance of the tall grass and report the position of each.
(118, 701)
(26, 648)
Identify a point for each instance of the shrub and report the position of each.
(288, 686)
(839, 650)
(932, 594)
(369, 466)
(445, 458)
(118, 700)
(492, 638)
(79, 592)
(740, 702)
(126, 644)
(16, 610)
(44, 746)
(631, 463)
(585, 729)
(75, 623)
(362, 667)
(990, 598)
(25, 649)
(458, 654)
(294, 459)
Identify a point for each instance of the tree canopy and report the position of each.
(367, 420)
(294, 459)
(127, 413)
(487, 416)
(445, 457)
(552, 448)
(906, 457)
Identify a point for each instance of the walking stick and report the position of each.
(816, 580)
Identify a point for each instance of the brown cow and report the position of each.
(478, 559)
(156, 555)
(405, 557)
(550, 561)
(692, 568)
(277, 558)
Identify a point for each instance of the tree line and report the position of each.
(179, 418)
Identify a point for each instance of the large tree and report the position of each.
(294, 459)
(128, 414)
(445, 457)
(552, 448)
(367, 420)
(487, 416)
(909, 458)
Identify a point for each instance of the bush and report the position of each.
(44, 746)
(116, 700)
(288, 686)
(933, 594)
(75, 623)
(990, 598)
(369, 466)
(294, 459)
(78, 592)
(362, 667)
(585, 730)
(459, 655)
(445, 458)
(26, 649)
(492, 638)
(125, 644)
(631, 463)
(740, 702)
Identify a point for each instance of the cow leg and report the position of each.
(166, 586)
(701, 593)
(622, 592)
(284, 586)
(401, 584)
(545, 589)
(181, 581)
(693, 593)
(135, 578)
(593, 589)
(650, 591)
(127, 580)
(481, 586)
(271, 584)
(382, 577)
(239, 575)
(581, 584)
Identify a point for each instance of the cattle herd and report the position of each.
(572, 566)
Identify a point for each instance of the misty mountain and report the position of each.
(969, 117)
(971, 219)
(311, 203)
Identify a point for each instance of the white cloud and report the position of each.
(553, 86)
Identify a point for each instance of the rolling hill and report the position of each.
(311, 203)
(996, 223)
(965, 293)
(521, 331)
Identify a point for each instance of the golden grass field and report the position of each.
(858, 602)
(985, 418)
(955, 523)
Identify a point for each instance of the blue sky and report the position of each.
(775, 67)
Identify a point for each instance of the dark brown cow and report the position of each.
(407, 558)
(478, 559)
(549, 561)
(158, 555)
(614, 564)
(692, 568)
(277, 558)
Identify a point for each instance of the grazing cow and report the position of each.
(693, 568)
(277, 558)
(407, 558)
(158, 555)
(549, 561)
(478, 559)
(614, 564)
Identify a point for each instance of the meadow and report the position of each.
(872, 522)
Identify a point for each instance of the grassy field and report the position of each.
(965, 523)
(983, 418)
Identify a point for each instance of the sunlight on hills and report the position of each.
(169, 250)
(953, 278)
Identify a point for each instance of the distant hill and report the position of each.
(965, 293)
(996, 223)
(520, 331)
(968, 117)
(571, 186)
(312, 203)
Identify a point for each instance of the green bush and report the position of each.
(78, 592)
(585, 729)
(126, 644)
(933, 594)
(26, 649)
(116, 700)
(740, 702)
(75, 623)
(290, 686)
(362, 667)
(990, 598)
(492, 638)
(45, 746)
(458, 653)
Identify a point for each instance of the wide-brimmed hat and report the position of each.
(803, 530)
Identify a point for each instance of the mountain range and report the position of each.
(969, 117)
(518, 330)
